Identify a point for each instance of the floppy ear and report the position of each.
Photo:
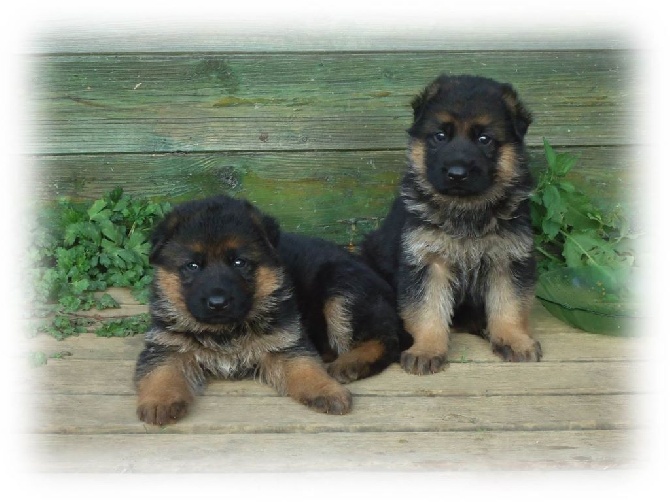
(521, 117)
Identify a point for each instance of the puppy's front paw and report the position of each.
(524, 350)
(334, 400)
(156, 412)
(422, 363)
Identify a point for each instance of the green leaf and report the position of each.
(106, 301)
(124, 327)
(566, 186)
(135, 240)
(553, 203)
(80, 286)
(564, 162)
(549, 154)
(551, 228)
(96, 207)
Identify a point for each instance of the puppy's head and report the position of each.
(215, 262)
(467, 135)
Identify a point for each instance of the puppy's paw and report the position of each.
(524, 350)
(345, 372)
(335, 400)
(156, 412)
(422, 363)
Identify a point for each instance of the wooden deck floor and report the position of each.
(574, 410)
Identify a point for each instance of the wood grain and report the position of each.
(296, 452)
(249, 102)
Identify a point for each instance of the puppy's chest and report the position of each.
(424, 246)
(226, 364)
(242, 356)
(232, 358)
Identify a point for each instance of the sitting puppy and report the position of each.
(457, 244)
(348, 310)
(222, 306)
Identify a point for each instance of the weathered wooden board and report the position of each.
(482, 379)
(368, 179)
(379, 451)
(564, 345)
(305, 191)
(97, 414)
(343, 101)
(560, 342)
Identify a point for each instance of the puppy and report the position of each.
(222, 306)
(457, 244)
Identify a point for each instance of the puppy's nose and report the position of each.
(457, 173)
(217, 302)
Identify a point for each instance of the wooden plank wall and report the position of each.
(315, 136)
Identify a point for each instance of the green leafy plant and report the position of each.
(38, 358)
(126, 326)
(79, 250)
(573, 231)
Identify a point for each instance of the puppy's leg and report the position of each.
(359, 362)
(372, 330)
(166, 386)
(426, 308)
(304, 378)
(508, 307)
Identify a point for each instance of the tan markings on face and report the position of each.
(268, 280)
(338, 322)
(508, 165)
(445, 118)
(417, 156)
(169, 286)
(196, 247)
(220, 250)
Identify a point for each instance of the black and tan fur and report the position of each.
(348, 310)
(222, 306)
(457, 244)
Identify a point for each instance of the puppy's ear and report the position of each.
(161, 234)
(268, 224)
(271, 228)
(521, 117)
(420, 102)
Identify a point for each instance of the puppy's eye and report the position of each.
(484, 140)
(239, 263)
(192, 266)
(439, 136)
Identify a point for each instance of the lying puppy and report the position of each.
(222, 306)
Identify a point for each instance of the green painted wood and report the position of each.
(139, 103)
(321, 193)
